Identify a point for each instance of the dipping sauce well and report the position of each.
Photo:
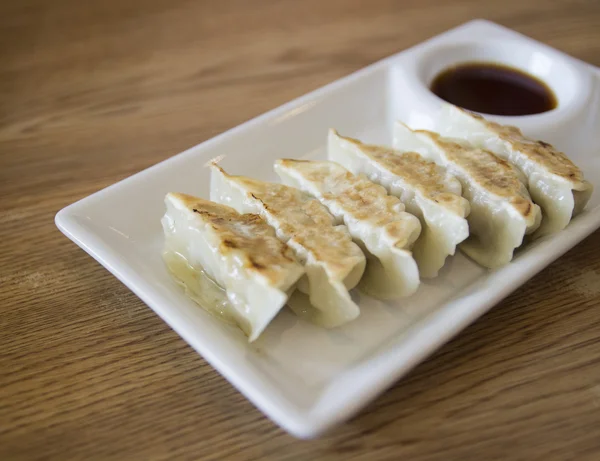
(493, 89)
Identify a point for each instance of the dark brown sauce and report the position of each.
(493, 89)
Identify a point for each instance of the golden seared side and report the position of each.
(358, 197)
(307, 222)
(419, 173)
(489, 172)
(247, 236)
(540, 152)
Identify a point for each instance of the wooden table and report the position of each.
(95, 91)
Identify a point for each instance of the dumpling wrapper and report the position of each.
(333, 263)
(377, 222)
(502, 212)
(555, 183)
(427, 190)
(240, 252)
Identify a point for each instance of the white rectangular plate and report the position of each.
(305, 378)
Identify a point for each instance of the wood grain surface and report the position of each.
(93, 91)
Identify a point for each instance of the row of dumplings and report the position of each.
(372, 217)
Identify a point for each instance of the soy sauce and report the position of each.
(494, 89)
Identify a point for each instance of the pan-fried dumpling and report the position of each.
(501, 209)
(426, 189)
(240, 252)
(556, 184)
(334, 264)
(377, 222)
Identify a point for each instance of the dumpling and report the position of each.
(426, 189)
(240, 252)
(501, 209)
(333, 263)
(556, 184)
(377, 222)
